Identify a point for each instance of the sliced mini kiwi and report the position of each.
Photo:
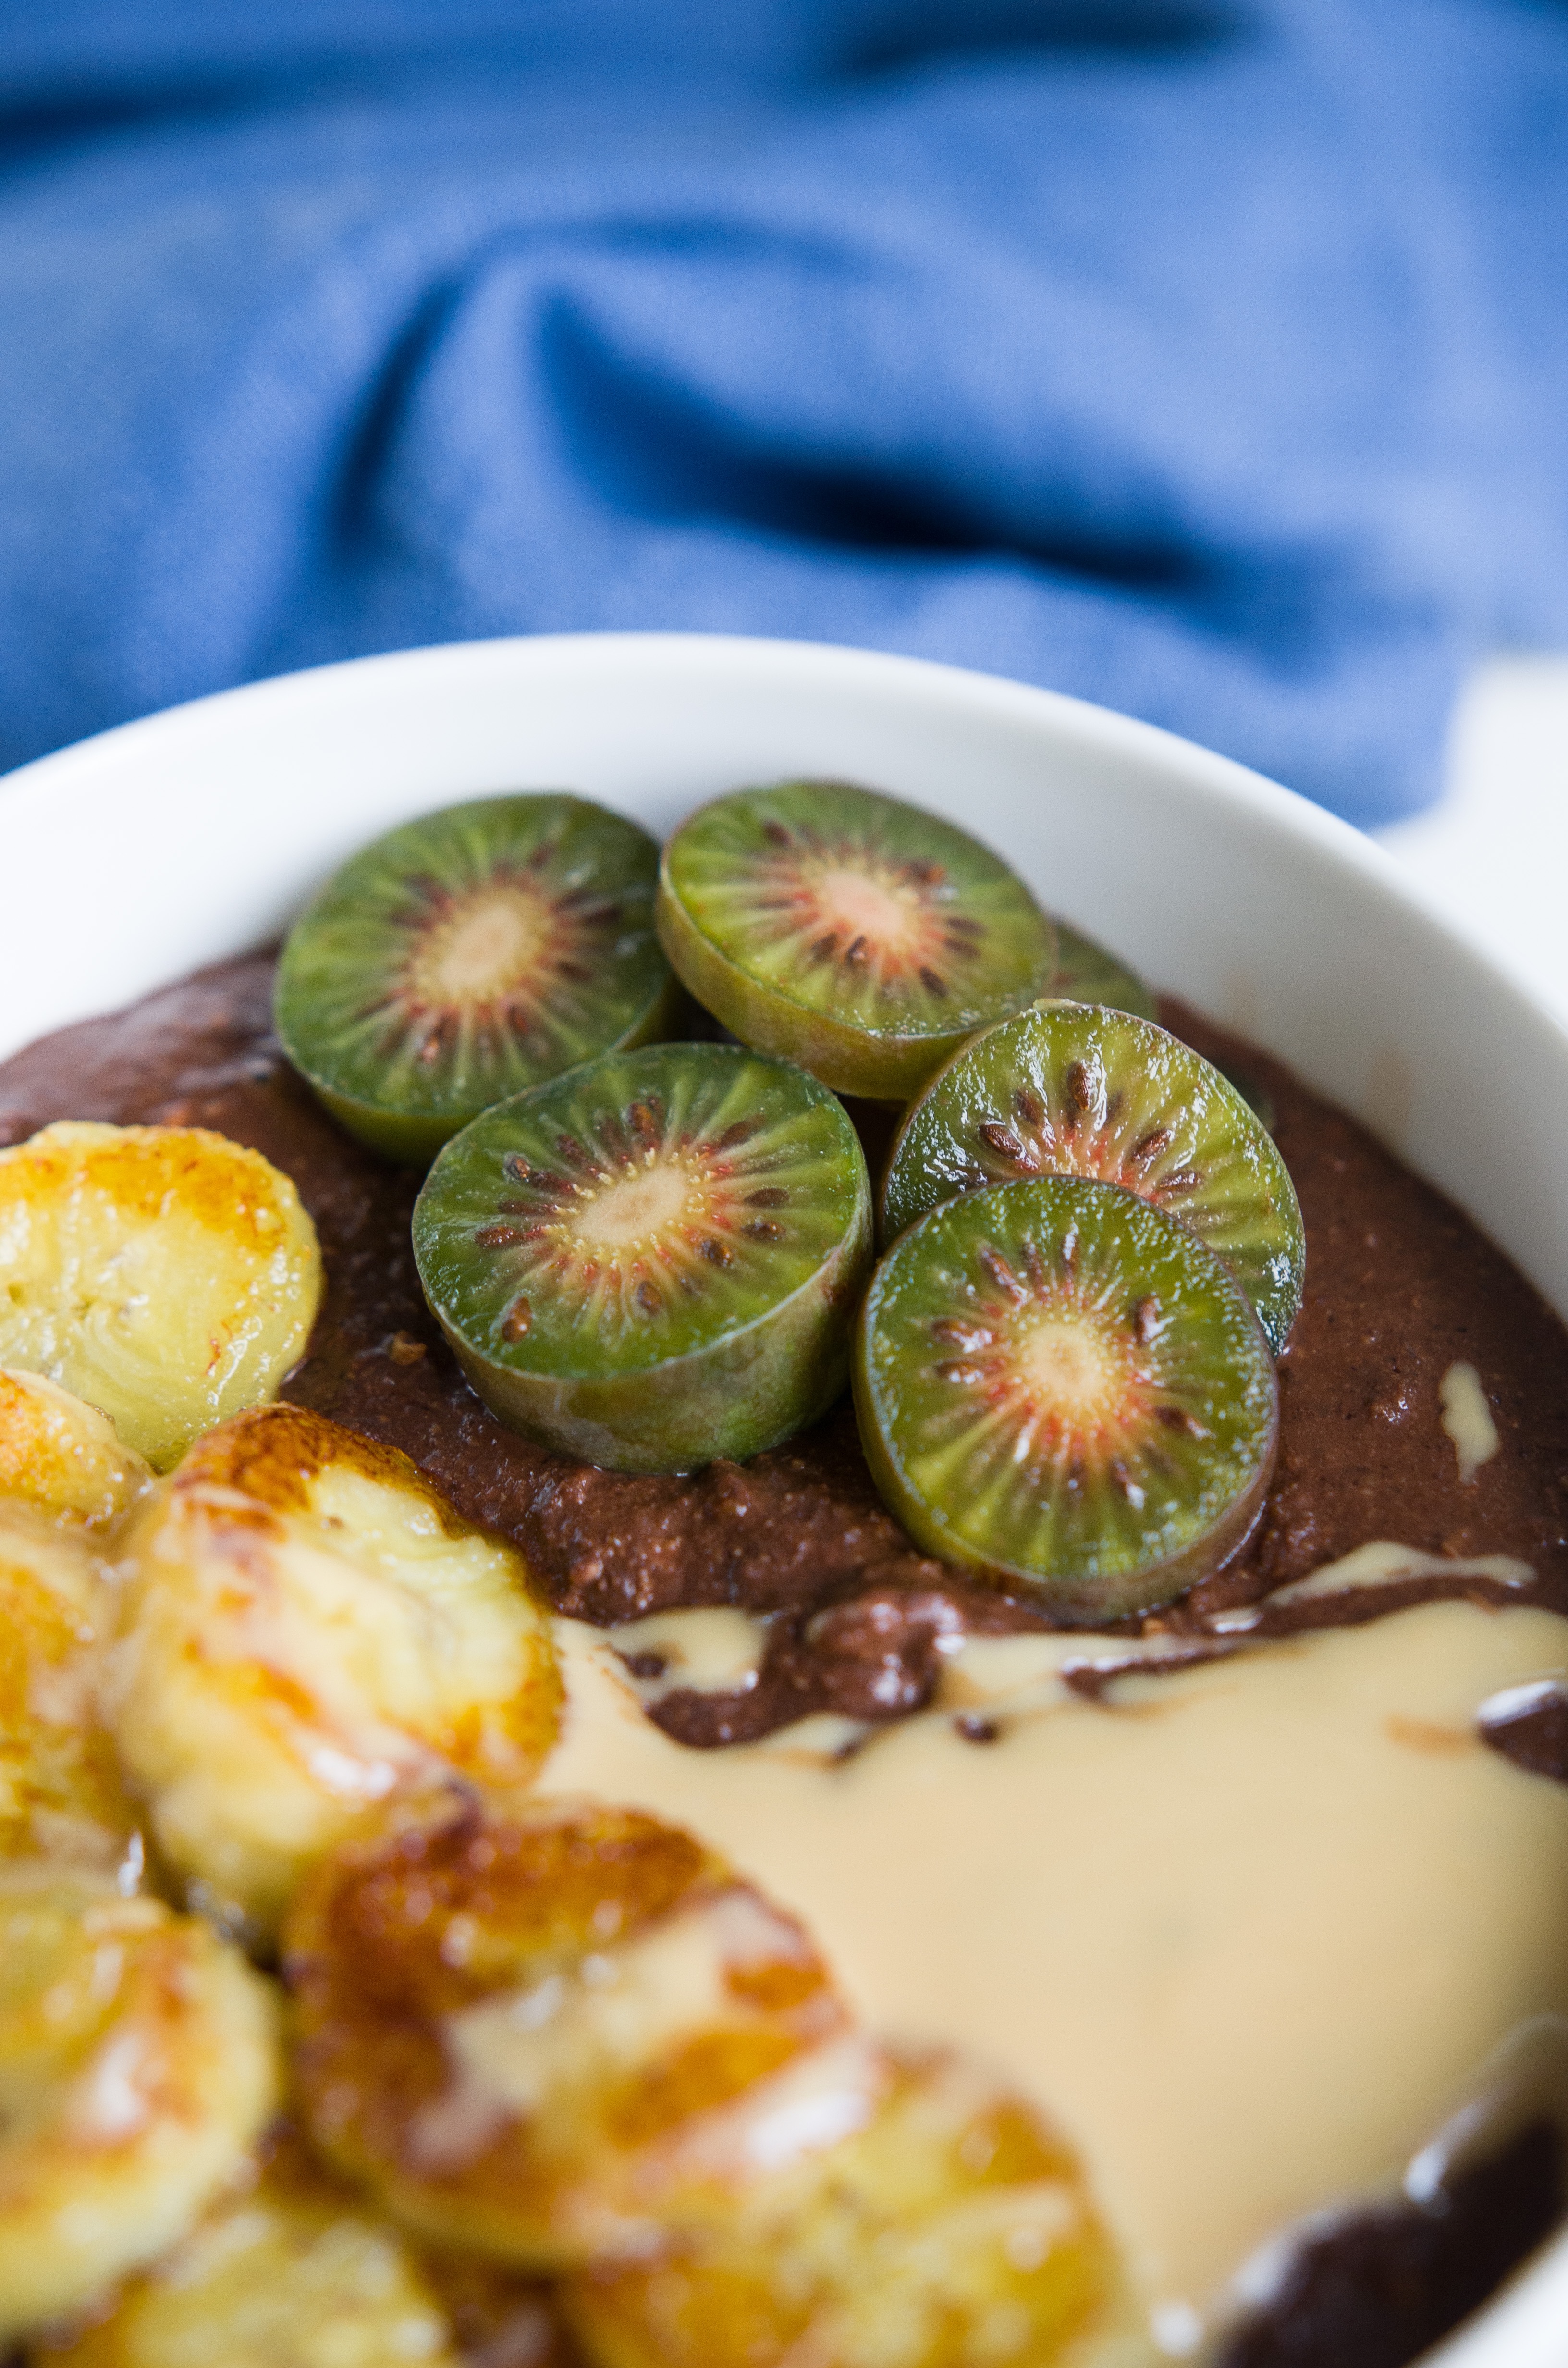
(1071, 1088)
(858, 936)
(1058, 1384)
(652, 1261)
(1254, 1092)
(1089, 973)
(469, 955)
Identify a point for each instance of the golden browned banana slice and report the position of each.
(63, 1458)
(61, 1796)
(163, 1274)
(521, 2032)
(951, 2231)
(289, 2270)
(312, 1634)
(137, 2066)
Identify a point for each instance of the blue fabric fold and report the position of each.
(1210, 361)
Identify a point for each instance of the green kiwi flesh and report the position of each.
(468, 956)
(1076, 1088)
(847, 932)
(1254, 1092)
(1088, 973)
(653, 1260)
(1058, 1385)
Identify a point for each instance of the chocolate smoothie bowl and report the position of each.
(761, 1870)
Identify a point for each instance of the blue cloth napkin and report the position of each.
(1204, 357)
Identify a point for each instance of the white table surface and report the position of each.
(1493, 851)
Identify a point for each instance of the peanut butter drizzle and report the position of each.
(1244, 1940)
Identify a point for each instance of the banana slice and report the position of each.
(289, 2271)
(61, 1796)
(63, 1458)
(951, 2231)
(161, 1272)
(309, 1635)
(137, 2065)
(520, 2034)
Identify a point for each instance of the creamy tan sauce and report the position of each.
(1379, 1563)
(1467, 1418)
(1011, 1675)
(713, 1650)
(1247, 1934)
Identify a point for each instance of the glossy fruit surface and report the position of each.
(311, 1634)
(521, 2033)
(61, 1793)
(164, 1274)
(138, 2066)
(467, 956)
(63, 1458)
(854, 934)
(654, 1260)
(1057, 1384)
(287, 2270)
(949, 2229)
(1078, 1089)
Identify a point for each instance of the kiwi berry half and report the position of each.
(1057, 1384)
(848, 931)
(652, 1261)
(1088, 972)
(469, 955)
(1073, 1088)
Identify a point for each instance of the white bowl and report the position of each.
(173, 842)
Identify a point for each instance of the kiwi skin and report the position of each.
(886, 1066)
(412, 1140)
(749, 1389)
(749, 1392)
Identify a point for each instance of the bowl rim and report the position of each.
(1521, 2326)
(79, 760)
(444, 665)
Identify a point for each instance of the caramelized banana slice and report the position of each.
(311, 1632)
(951, 2231)
(289, 2270)
(63, 1458)
(61, 1796)
(520, 2035)
(161, 1272)
(137, 2065)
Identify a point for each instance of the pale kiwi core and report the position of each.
(1069, 1379)
(860, 905)
(631, 1211)
(485, 946)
